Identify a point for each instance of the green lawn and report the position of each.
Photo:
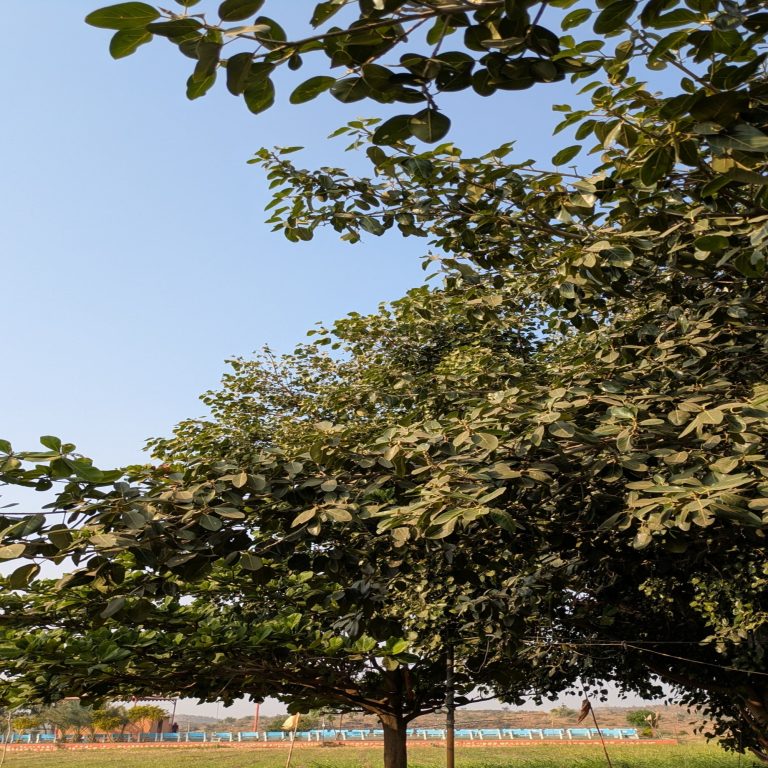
(420, 757)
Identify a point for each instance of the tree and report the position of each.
(315, 605)
(69, 716)
(342, 617)
(147, 716)
(646, 720)
(111, 719)
(26, 722)
(687, 246)
(427, 363)
(640, 717)
(612, 443)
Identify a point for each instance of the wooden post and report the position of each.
(450, 709)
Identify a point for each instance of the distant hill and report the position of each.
(183, 719)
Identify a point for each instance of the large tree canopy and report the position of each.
(575, 420)
(250, 562)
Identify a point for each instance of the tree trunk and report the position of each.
(755, 716)
(395, 751)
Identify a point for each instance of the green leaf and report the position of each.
(238, 72)
(429, 125)
(125, 42)
(540, 40)
(134, 519)
(259, 96)
(104, 540)
(377, 77)
(742, 137)
(237, 10)
(371, 225)
(642, 540)
(324, 11)
(671, 42)
(303, 517)
(725, 464)
(113, 606)
(61, 538)
(677, 18)
(21, 577)
(12, 551)
(250, 562)
(230, 513)
(504, 520)
(210, 523)
(711, 243)
(275, 34)
(574, 18)
(613, 17)
(486, 440)
(49, 441)
(207, 60)
(399, 647)
(177, 28)
(564, 155)
(503, 471)
(441, 531)
(657, 165)
(123, 16)
(311, 88)
(197, 87)
(339, 515)
(562, 429)
(391, 131)
(350, 89)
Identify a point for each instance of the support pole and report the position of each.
(6, 741)
(599, 732)
(293, 741)
(450, 710)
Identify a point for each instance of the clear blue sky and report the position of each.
(135, 258)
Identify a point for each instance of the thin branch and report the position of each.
(281, 46)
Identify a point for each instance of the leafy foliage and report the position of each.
(231, 549)
(69, 716)
(112, 719)
(26, 722)
(640, 717)
(559, 451)
(147, 715)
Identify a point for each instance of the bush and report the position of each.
(640, 718)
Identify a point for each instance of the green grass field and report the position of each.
(683, 756)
